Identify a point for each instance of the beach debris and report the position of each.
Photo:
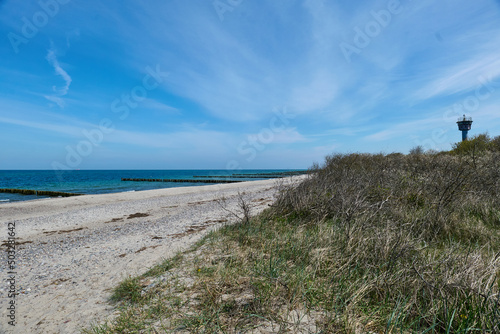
(114, 220)
(144, 248)
(138, 215)
(65, 231)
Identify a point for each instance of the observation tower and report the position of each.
(464, 125)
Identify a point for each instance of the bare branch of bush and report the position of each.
(242, 212)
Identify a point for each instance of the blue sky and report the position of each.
(197, 84)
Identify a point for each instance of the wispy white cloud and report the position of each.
(200, 140)
(31, 115)
(286, 136)
(290, 136)
(314, 95)
(73, 34)
(159, 106)
(64, 129)
(462, 77)
(194, 139)
(56, 99)
(403, 129)
(59, 91)
(235, 77)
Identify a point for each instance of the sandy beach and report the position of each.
(72, 251)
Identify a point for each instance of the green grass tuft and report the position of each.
(128, 290)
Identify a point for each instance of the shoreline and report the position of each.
(42, 197)
(26, 184)
(72, 251)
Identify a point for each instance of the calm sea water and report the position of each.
(102, 181)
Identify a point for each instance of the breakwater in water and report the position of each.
(277, 175)
(180, 180)
(92, 182)
(38, 192)
(239, 177)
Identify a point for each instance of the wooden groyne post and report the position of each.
(38, 192)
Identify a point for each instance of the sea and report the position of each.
(105, 181)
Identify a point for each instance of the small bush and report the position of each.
(417, 150)
(478, 144)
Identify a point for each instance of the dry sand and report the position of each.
(73, 251)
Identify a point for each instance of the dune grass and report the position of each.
(366, 244)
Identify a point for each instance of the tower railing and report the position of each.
(464, 119)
